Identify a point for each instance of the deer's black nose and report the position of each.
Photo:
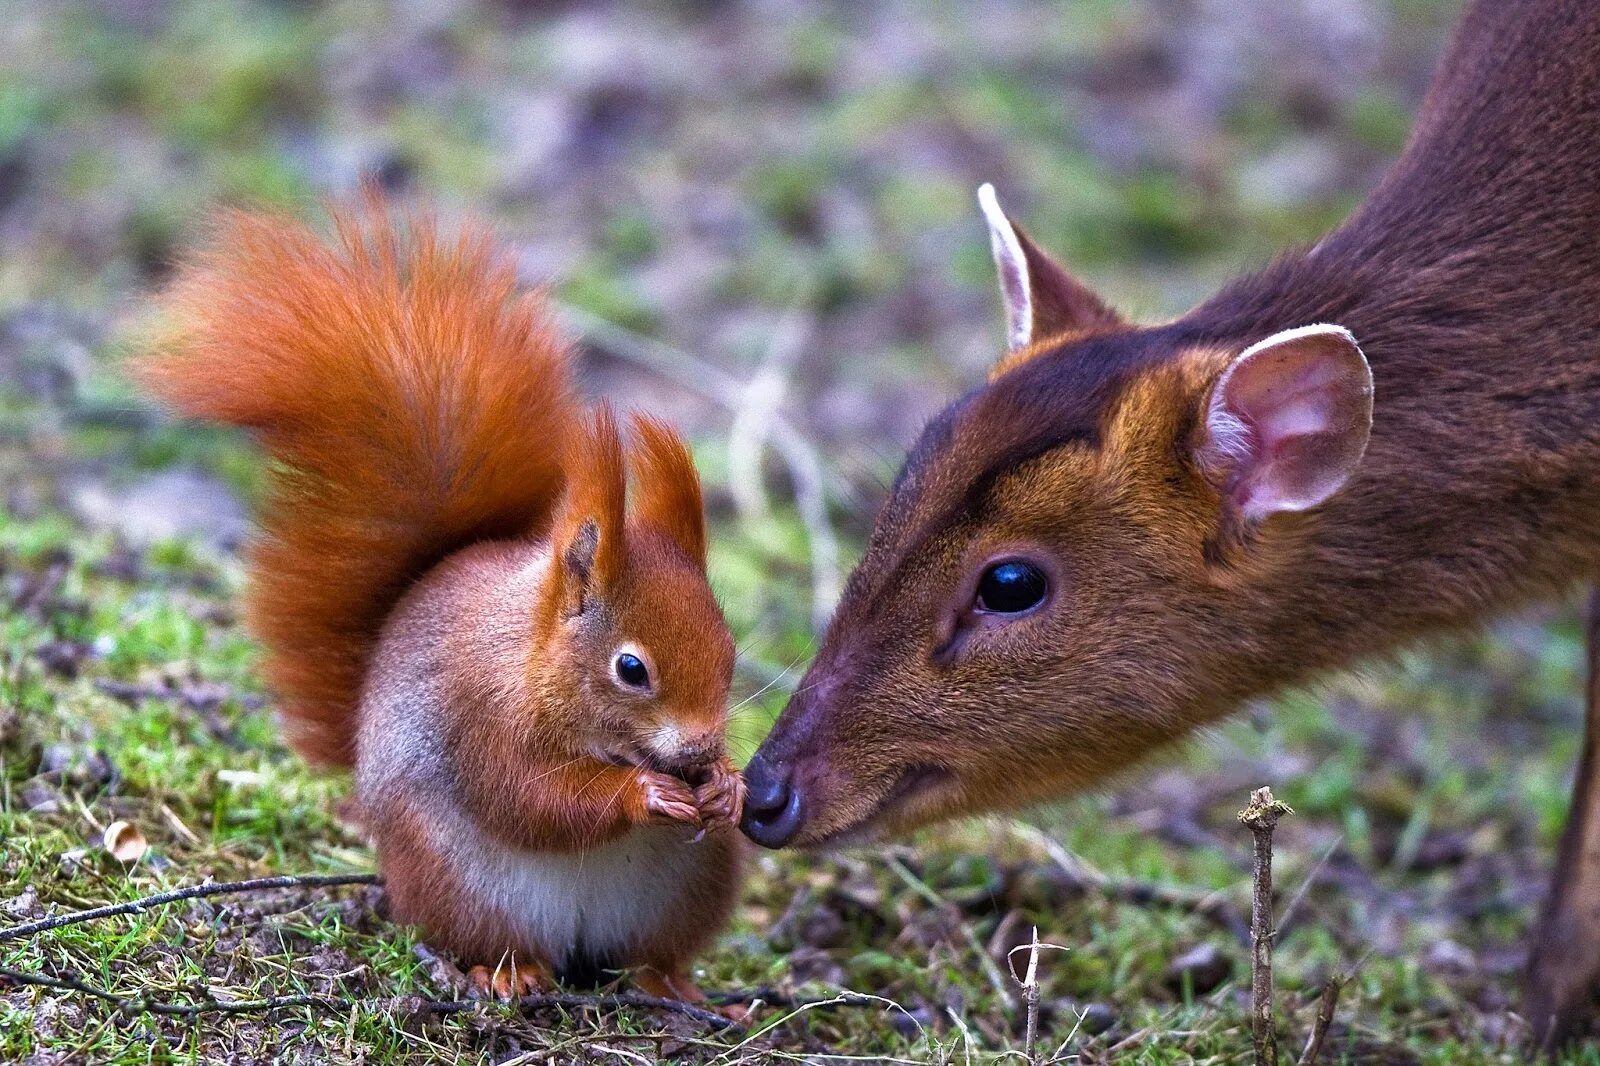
(772, 805)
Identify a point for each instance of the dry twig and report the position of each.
(340, 1004)
(1030, 997)
(1261, 818)
(1325, 1008)
(219, 888)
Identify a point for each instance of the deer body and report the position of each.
(1471, 278)
(1129, 531)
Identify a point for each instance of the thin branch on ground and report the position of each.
(1213, 906)
(341, 1004)
(1325, 1008)
(218, 888)
(597, 1001)
(1030, 998)
(847, 998)
(772, 997)
(1261, 818)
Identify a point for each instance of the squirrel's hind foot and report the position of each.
(510, 979)
(679, 986)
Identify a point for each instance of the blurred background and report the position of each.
(757, 218)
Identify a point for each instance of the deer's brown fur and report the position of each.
(1470, 279)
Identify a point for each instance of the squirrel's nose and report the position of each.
(772, 805)
(677, 752)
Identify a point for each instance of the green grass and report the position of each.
(216, 795)
(831, 170)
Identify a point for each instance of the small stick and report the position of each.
(1030, 996)
(601, 1001)
(219, 888)
(774, 998)
(144, 1005)
(1261, 817)
(1029, 983)
(1325, 1009)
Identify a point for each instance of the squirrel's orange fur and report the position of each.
(447, 582)
(413, 401)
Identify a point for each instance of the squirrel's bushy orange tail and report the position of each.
(413, 400)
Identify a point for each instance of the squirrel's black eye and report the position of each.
(1011, 587)
(632, 671)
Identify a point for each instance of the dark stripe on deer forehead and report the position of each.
(1059, 398)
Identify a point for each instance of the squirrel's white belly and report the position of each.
(599, 904)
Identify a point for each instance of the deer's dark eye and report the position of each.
(632, 671)
(1011, 587)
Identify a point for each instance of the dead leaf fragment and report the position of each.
(124, 841)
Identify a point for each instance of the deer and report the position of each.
(1128, 531)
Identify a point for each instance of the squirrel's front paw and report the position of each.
(667, 800)
(721, 795)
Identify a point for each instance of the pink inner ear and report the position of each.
(1288, 420)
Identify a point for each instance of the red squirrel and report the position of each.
(459, 597)
(1128, 531)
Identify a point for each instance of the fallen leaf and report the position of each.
(124, 841)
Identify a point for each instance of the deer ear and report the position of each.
(1287, 421)
(1041, 299)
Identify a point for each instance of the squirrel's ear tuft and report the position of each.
(589, 538)
(1041, 299)
(667, 488)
